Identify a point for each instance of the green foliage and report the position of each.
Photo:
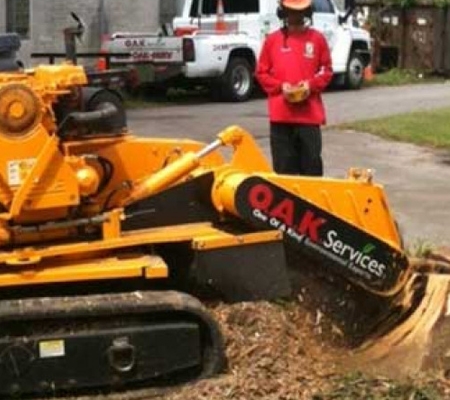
(414, 3)
(420, 248)
(429, 128)
(406, 3)
(397, 77)
(356, 386)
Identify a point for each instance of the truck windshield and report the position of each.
(209, 7)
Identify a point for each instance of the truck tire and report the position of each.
(354, 75)
(237, 82)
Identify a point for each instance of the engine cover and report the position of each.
(33, 171)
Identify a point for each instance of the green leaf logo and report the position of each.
(368, 248)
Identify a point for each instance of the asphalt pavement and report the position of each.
(416, 179)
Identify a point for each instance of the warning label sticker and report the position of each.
(51, 348)
(18, 170)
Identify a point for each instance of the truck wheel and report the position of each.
(354, 76)
(237, 81)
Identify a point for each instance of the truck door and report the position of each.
(325, 19)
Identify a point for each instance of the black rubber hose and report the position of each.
(108, 172)
(105, 110)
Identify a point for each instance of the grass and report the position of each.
(398, 77)
(356, 386)
(421, 248)
(429, 128)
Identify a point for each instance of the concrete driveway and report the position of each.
(417, 180)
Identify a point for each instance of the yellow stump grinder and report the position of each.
(108, 240)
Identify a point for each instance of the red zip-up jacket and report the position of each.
(292, 58)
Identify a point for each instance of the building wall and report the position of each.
(137, 15)
(50, 17)
(2, 16)
(169, 9)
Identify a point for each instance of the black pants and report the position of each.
(296, 149)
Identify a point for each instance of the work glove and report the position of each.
(296, 93)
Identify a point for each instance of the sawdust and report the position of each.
(272, 355)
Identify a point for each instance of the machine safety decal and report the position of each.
(52, 348)
(18, 170)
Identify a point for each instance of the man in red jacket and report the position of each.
(293, 69)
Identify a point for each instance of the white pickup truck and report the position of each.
(217, 42)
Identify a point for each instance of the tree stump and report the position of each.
(420, 342)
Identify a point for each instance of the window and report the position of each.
(18, 17)
(209, 7)
(194, 9)
(323, 6)
(241, 6)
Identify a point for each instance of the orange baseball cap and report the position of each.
(296, 4)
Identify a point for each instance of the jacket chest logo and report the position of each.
(309, 50)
